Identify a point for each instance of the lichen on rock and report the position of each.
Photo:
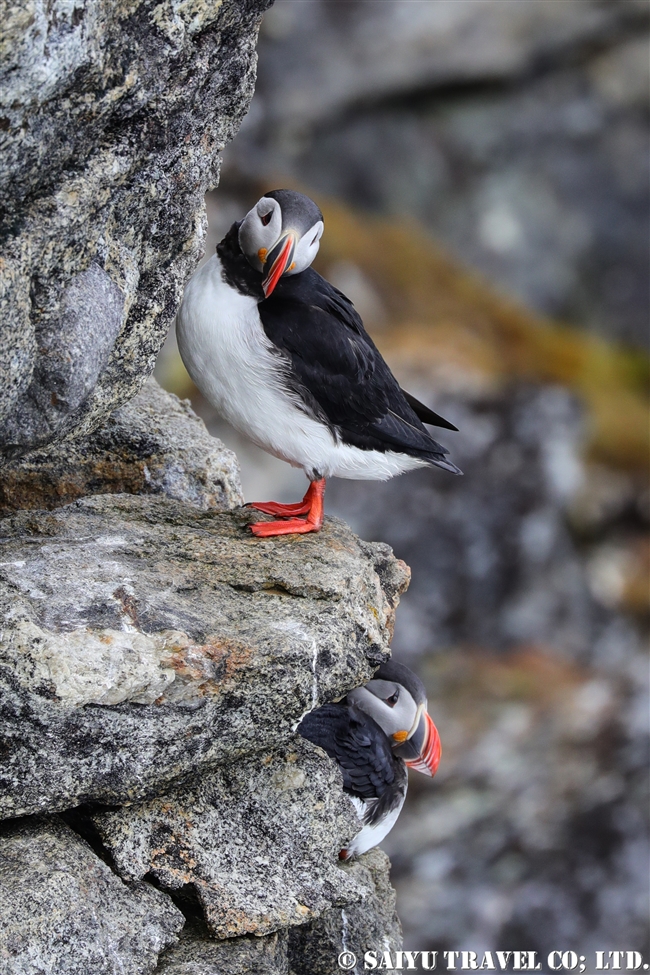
(156, 639)
(64, 910)
(257, 841)
(155, 659)
(159, 812)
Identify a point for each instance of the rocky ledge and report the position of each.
(155, 660)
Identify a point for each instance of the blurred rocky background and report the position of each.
(514, 131)
(483, 171)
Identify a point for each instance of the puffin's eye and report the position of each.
(266, 219)
(393, 699)
(314, 240)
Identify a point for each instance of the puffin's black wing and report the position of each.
(359, 746)
(336, 369)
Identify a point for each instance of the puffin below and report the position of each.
(284, 357)
(373, 734)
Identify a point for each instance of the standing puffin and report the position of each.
(284, 357)
(373, 734)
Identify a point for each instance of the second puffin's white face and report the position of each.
(265, 226)
(390, 704)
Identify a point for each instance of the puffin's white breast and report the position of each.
(238, 369)
(371, 836)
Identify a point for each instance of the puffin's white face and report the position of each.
(402, 718)
(280, 237)
(307, 248)
(260, 230)
(391, 705)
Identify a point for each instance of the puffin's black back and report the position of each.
(363, 752)
(338, 371)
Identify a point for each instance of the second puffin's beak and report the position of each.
(422, 750)
(278, 260)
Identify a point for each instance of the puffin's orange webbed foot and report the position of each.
(311, 505)
(293, 526)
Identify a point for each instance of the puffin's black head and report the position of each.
(281, 235)
(396, 698)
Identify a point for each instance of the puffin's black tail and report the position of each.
(426, 415)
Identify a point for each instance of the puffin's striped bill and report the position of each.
(429, 758)
(280, 264)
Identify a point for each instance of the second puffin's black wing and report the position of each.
(337, 371)
(359, 746)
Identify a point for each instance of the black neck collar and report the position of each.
(237, 271)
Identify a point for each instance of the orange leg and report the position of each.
(311, 505)
(286, 510)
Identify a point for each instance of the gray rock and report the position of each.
(311, 948)
(196, 954)
(153, 445)
(65, 911)
(144, 640)
(371, 925)
(72, 353)
(112, 118)
(257, 841)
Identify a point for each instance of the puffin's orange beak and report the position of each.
(278, 260)
(430, 749)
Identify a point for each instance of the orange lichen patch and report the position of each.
(128, 602)
(228, 922)
(446, 323)
(166, 859)
(211, 665)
